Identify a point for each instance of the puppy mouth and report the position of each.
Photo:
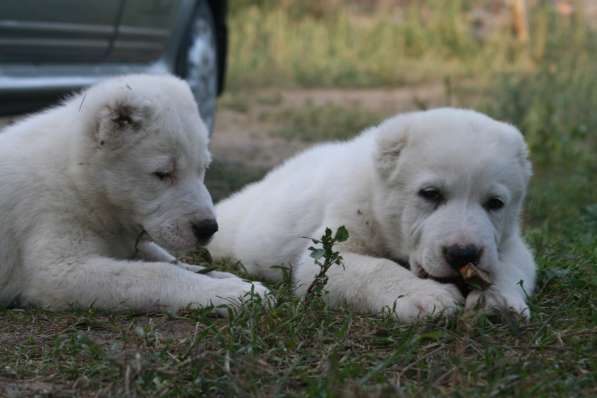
(173, 247)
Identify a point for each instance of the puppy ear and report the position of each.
(391, 140)
(120, 121)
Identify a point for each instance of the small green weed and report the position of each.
(325, 257)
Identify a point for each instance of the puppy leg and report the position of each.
(150, 251)
(374, 284)
(128, 286)
(514, 279)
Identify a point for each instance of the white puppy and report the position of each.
(436, 190)
(90, 188)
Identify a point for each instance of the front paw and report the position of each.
(491, 300)
(233, 292)
(428, 298)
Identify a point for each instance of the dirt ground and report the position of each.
(245, 137)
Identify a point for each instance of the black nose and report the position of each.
(204, 230)
(457, 255)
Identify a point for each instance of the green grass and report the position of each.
(554, 105)
(349, 44)
(292, 350)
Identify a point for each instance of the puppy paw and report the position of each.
(428, 298)
(491, 300)
(233, 292)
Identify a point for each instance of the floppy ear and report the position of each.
(119, 121)
(391, 140)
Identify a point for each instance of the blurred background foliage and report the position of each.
(546, 85)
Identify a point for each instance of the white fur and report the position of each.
(77, 188)
(370, 184)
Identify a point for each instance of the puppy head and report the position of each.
(147, 149)
(453, 186)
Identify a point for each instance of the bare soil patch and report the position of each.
(246, 135)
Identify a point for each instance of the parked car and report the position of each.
(51, 47)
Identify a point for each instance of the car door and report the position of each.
(145, 29)
(57, 31)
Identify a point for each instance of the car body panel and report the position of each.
(32, 32)
(145, 29)
(50, 53)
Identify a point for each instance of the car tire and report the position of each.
(198, 64)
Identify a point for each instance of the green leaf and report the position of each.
(316, 254)
(341, 234)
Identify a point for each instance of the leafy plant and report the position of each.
(325, 257)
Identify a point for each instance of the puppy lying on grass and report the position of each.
(440, 190)
(93, 193)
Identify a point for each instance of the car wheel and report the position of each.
(197, 62)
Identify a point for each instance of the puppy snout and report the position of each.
(457, 256)
(204, 230)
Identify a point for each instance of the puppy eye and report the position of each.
(432, 195)
(494, 204)
(162, 175)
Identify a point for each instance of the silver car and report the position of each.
(51, 47)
